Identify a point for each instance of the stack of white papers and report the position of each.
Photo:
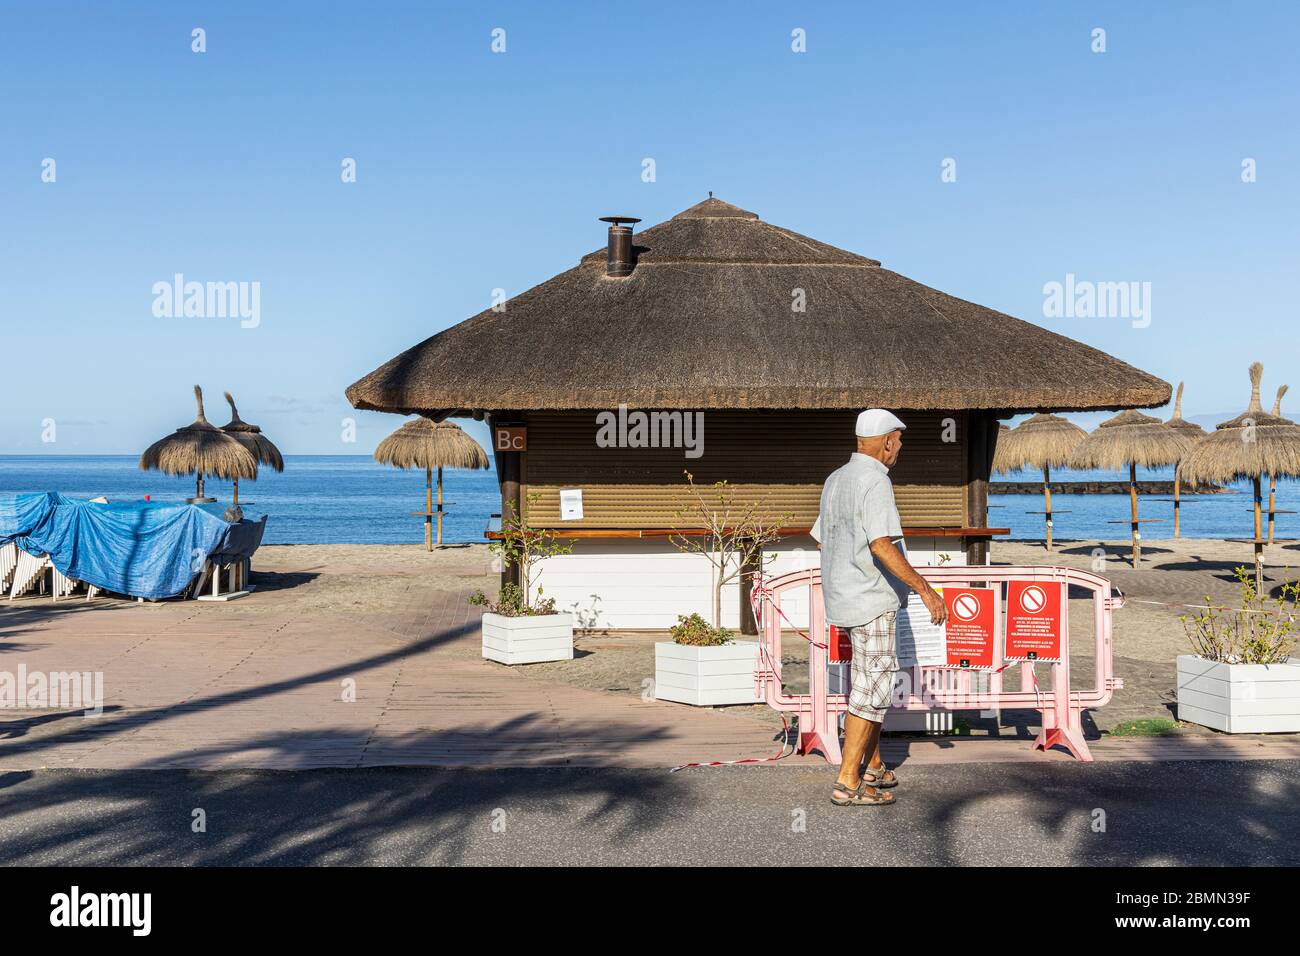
(918, 641)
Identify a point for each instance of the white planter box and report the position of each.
(706, 676)
(528, 640)
(1239, 698)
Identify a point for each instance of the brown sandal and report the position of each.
(843, 796)
(882, 778)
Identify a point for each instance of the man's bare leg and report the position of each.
(861, 737)
(876, 762)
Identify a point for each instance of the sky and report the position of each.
(479, 170)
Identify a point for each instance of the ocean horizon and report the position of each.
(317, 499)
(352, 499)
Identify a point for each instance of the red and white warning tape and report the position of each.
(1124, 600)
(757, 596)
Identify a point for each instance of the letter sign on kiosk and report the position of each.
(1035, 619)
(511, 438)
(971, 627)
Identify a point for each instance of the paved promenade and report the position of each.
(267, 683)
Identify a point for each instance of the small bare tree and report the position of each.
(523, 547)
(734, 535)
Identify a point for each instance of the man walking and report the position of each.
(865, 579)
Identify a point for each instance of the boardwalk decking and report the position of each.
(200, 686)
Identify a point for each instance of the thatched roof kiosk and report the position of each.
(775, 340)
(423, 443)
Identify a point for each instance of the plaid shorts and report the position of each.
(875, 662)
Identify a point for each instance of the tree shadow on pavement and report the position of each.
(397, 815)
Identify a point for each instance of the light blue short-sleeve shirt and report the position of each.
(857, 507)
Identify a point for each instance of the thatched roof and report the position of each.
(1040, 441)
(1131, 438)
(251, 437)
(1251, 445)
(1180, 424)
(201, 448)
(426, 444)
(707, 320)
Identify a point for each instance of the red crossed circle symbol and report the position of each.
(1033, 600)
(966, 607)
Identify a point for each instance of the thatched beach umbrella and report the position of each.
(1192, 431)
(1272, 479)
(1000, 464)
(1251, 445)
(424, 443)
(251, 437)
(199, 449)
(1042, 442)
(1131, 439)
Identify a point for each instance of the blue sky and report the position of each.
(225, 166)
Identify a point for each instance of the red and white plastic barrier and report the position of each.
(948, 687)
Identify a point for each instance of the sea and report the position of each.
(351, 499)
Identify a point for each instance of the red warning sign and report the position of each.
(841, 645)
(1035, 611)
(972, 622)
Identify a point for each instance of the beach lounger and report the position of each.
(8, 562)
(61, 586)
(29, 573)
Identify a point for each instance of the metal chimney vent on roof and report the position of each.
(619, 262)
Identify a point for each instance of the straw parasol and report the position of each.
(1000, 465)
(251, 437)
(1192, 431)
(199, 449)
(1042, 442)
(1272, 479)
(1131, 439)
(1251, 445)
(424, 443)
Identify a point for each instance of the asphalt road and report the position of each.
(1188, 813)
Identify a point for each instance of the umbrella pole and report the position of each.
(1178, 470)
(1272, 502)
(440, 506)
(198, 485)
(236, 501)
(428, 508)
(1133, 504)
(1047, 503)
(1259, 544)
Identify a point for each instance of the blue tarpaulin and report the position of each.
(139, 548)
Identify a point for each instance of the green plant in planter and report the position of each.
(521, 546)
(510, 602)
(1260, 631)
(697, 632)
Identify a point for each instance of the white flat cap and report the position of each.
(876, 421)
